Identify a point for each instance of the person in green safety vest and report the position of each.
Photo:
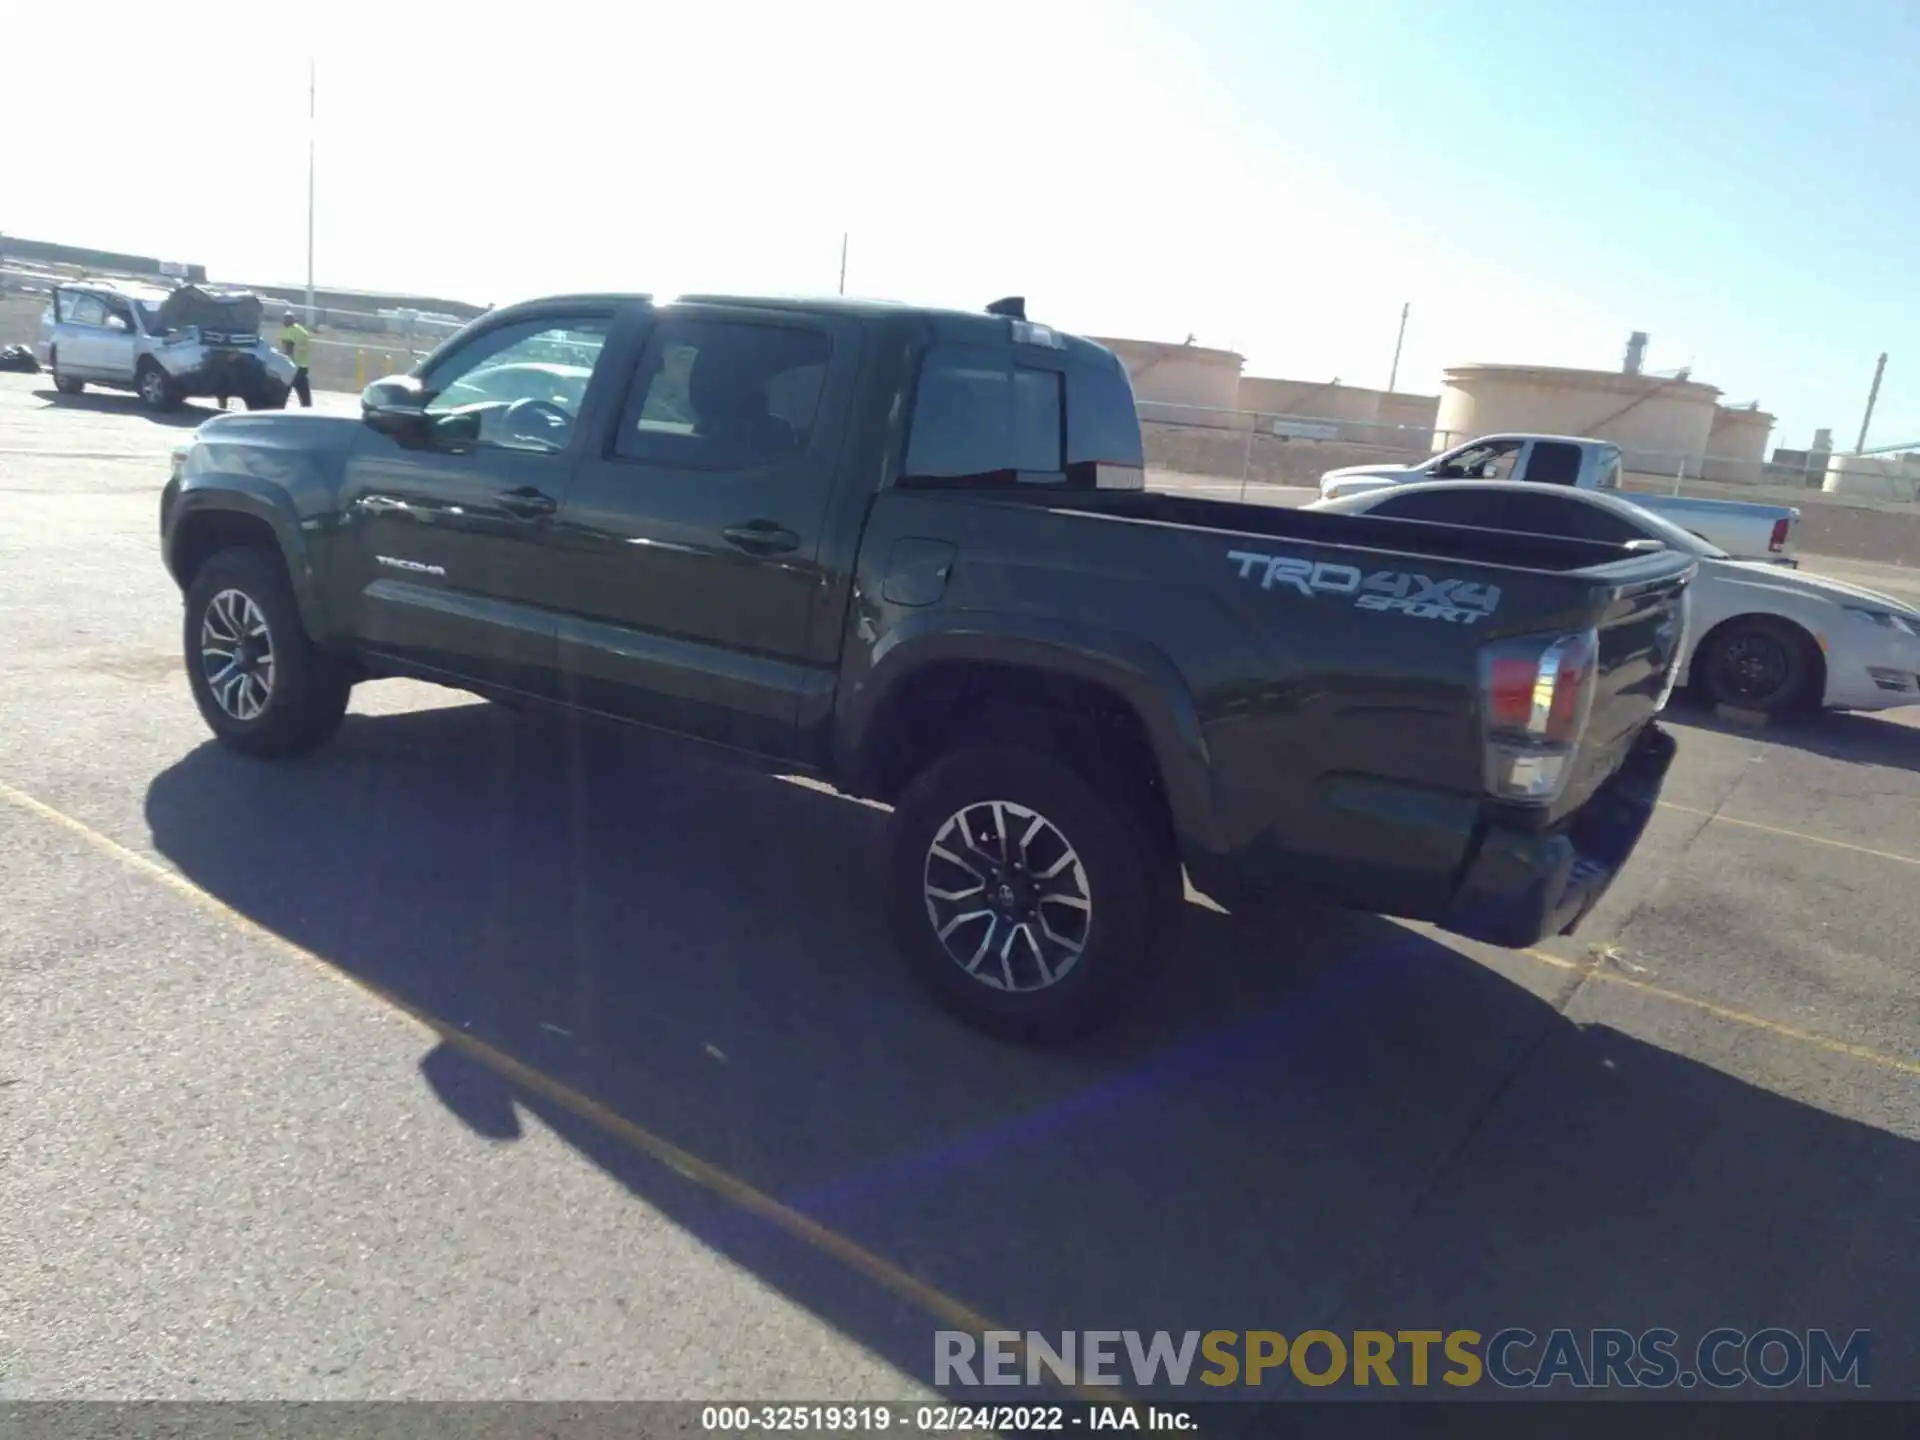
(297, 341)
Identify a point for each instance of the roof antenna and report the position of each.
(1014, 307)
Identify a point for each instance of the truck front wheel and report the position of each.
(156, 387)
(1030, 902)
(262, 685)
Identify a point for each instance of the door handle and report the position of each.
(379, 504)
(528, 503)
(761, 537)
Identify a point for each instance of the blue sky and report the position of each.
(1735, 178)
(1538, 179)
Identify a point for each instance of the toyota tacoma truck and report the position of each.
(1745, 529)
(911, 552)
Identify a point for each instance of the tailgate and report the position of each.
(1642, 631)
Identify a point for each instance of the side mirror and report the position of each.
(396, 405)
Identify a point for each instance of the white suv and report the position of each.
(165, 345)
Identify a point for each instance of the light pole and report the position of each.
(1393, 375)
(843, 262)
(1873, 398)
(310, 138)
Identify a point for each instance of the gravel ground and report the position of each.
(225, 1173)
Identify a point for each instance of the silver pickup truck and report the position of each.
(165, 345)
(1746, 530)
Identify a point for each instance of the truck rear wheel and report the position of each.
(1028, 900)
(262, 685)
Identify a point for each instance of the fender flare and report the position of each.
(230, 494)
(1139, 674)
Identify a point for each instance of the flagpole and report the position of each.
(310, 139)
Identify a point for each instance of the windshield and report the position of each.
(150, 316)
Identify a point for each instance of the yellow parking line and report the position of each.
(890, 1277)
(722, 1183)
(1738, 1017)
(1790, 834)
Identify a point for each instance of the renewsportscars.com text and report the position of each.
(1514, 1358)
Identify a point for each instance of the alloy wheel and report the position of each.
(1007, 895)
(1753, 667)
(236, 654)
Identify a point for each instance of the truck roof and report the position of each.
(132, 289)
(1538, 435)
(947, 324)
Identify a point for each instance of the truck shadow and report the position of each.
(1341, 1124)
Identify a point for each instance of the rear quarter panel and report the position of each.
(1310, 738)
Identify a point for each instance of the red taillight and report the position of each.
(1779, 538)
(1510, 682)
(1536, 695)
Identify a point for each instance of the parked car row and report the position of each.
(911, 551)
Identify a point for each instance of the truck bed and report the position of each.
(1336, 730)
(1553, 554)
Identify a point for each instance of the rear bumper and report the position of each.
(1522, 888)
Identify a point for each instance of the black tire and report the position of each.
(1760, 663)
(307, 690)
(65, 384)
(1128, 875)
(155, 387)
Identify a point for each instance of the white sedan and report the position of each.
(1761, 637)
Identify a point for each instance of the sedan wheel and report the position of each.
(1760, 664)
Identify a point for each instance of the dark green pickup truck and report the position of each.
(911, 551)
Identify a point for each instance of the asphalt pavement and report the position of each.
(482, 1057)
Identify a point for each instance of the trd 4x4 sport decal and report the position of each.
(1399, 591)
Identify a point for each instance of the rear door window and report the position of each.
(87, 310)
(1557, 515)
(979, 415)
(1483, 509)
(1553, 463)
